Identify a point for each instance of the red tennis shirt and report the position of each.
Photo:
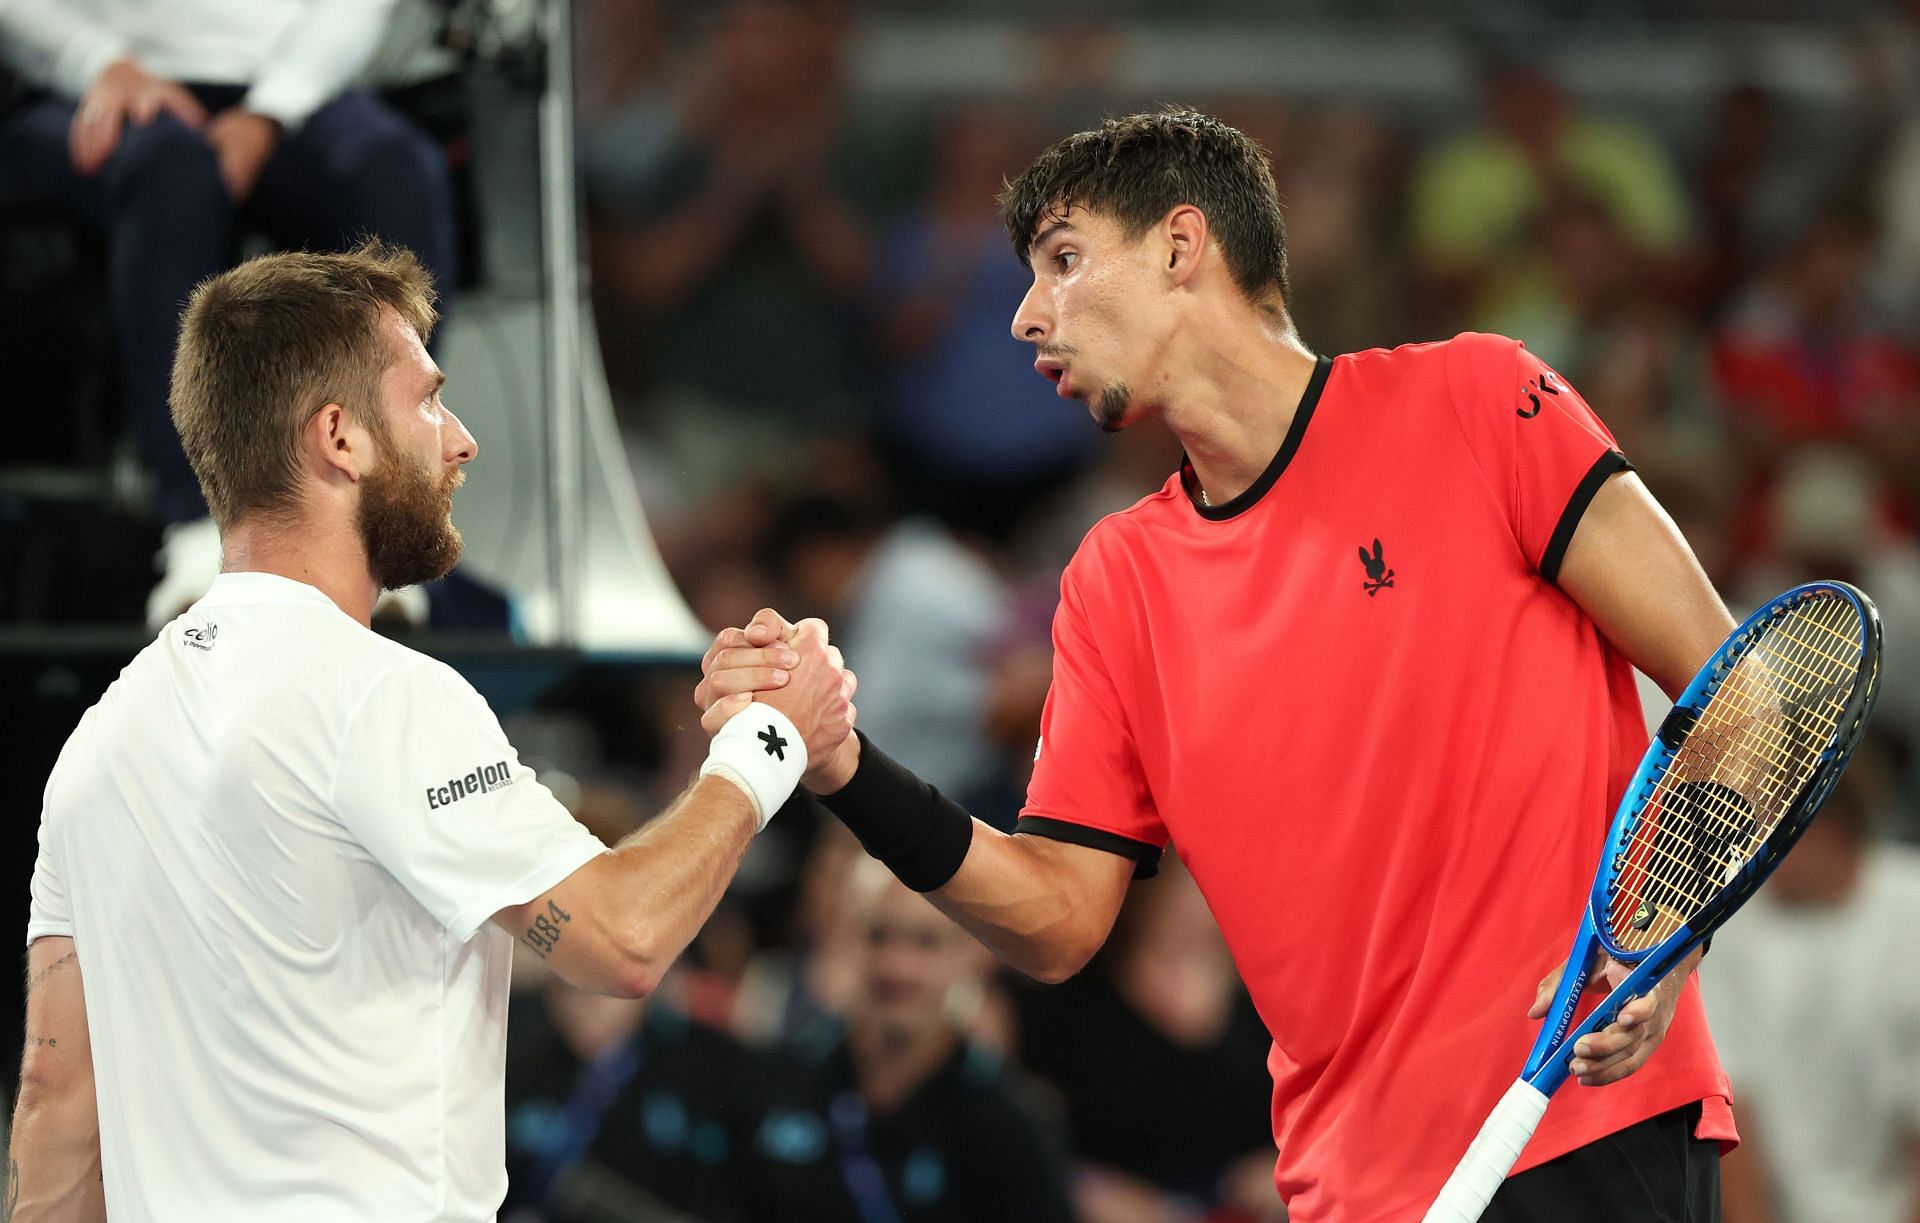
(1386, 745)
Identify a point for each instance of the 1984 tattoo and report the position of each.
(545, 931)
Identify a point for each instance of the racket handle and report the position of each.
(1478, 1175)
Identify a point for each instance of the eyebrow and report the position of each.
(1040, 239)
(439, 379)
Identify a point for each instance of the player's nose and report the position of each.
(457, 443)
(1031, 322)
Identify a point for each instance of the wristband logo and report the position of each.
(776, 746)
(483, 780)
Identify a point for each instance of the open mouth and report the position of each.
(1054, 372)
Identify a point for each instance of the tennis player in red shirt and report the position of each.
(1366, 660)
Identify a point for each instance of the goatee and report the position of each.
(1111, 410)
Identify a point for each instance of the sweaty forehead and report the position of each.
(1055, 218)
(400, 332)
(1076, 221)
(406, 356)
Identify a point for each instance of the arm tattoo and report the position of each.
(544, 934)
(35, 978)
(13, 1190)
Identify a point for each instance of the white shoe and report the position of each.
(188, 561)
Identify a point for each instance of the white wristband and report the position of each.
(761, 751)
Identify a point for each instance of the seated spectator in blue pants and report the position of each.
(173, 125)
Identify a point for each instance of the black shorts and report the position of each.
(1652, 1172)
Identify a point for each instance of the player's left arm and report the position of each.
(53, 1151)
(1631, 571)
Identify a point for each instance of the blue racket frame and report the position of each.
(1547, 1064)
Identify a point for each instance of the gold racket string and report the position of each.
(1661, 869)
(1759, 737)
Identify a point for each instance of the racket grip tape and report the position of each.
(1480, 1171)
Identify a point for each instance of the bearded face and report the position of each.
(406, 519)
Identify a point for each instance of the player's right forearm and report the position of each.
(1043, 906)
(53, 1158)
(672, 872)
(617, 924)
(1012, 895)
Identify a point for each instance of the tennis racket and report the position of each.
(1752, 748)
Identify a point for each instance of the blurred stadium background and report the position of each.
(731, 329)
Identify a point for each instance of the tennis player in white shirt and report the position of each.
(288, 857)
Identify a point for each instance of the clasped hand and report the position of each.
(793, 668)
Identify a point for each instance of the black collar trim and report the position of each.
(1309, 399)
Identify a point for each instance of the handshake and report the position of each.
(792, 668)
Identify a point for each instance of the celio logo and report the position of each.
(482, 780)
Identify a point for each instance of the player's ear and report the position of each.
(1185, 232)
(336, 443)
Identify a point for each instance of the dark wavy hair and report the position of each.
(1138, 168)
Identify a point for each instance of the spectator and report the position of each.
(725, 236)
(794, 993)
(921, 607)
(1805, 359)
(1340, 170)
(1898, 259)
(973, 437)
(174, 128)
(1585, 280)
(1020, 673)
(1184, 1131)
(1751, 189)
(904, 1119)
(1476, 197)
(1816, 1024)
(621, 1110)
(1826, 516)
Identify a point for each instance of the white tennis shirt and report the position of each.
(276, 842)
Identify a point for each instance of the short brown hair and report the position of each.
(1139, 168)
(266, 344)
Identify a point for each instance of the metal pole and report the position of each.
(566, 523)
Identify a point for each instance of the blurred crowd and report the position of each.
(804, 296)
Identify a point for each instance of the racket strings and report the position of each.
(1754, 744)
(1707, 814)
(1673, 866)
(1741, 766)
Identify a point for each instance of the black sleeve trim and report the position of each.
(1146, 858)
(1604, 468)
